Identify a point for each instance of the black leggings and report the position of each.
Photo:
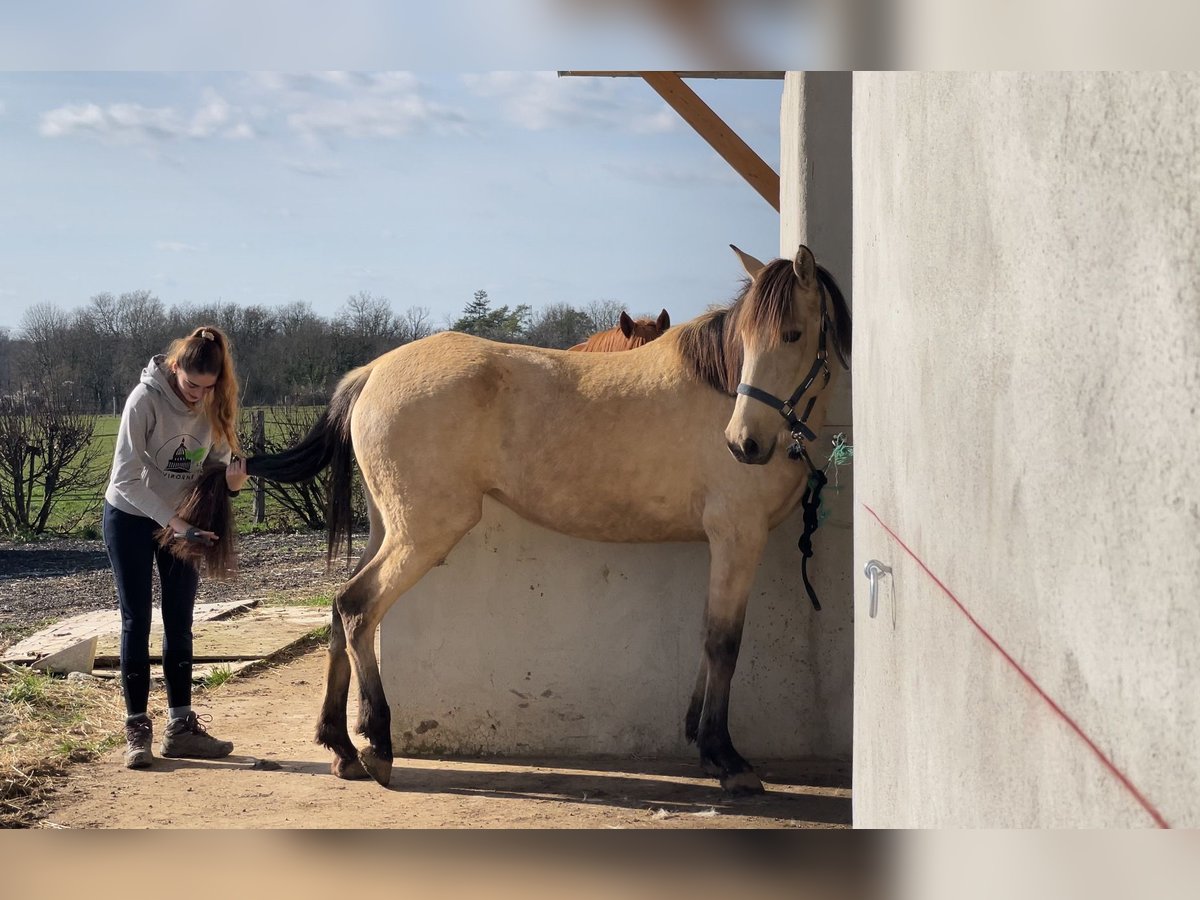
(133, 551)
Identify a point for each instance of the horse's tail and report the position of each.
(326, 444)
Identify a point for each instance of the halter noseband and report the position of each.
(798, 425)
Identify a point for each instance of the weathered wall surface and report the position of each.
(1027, 371)
(528, 642)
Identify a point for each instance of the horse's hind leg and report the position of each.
(402, 560)
(331, 724)
(735, 557)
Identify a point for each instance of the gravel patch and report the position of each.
(44, 581)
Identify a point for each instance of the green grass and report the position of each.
(77, 749)
(86, 509)
(284, 598)
(28, 687)
(218, 676)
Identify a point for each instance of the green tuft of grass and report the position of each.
(281, 598)
(218, 676)
(72, 749)
(317, 600)
(29, 687)
(319, 634)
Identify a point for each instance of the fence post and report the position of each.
(260, 493)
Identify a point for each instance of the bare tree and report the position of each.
(47, 457)
(559, 325)
(44, 327)
(369, 317)
(604, 313)
(414, 324)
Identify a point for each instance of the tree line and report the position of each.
(88, 359)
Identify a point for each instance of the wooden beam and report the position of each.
(720, 136)
(773, 76)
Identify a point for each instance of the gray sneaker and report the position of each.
(139, 735)
(188, 737)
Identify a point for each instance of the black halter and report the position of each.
(798, 426)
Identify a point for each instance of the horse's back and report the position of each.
(604, 446)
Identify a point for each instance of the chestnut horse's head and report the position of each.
(626, 334)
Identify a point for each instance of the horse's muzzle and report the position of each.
(749, 452)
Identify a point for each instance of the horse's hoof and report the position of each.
(711, 769)
(741, 784)
(379, 769)
(349, 769)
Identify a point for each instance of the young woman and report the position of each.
(180, 420)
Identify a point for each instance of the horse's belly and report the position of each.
(650, 520)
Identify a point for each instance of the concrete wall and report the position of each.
(816, 210)
(1027, 363)
(528, 642)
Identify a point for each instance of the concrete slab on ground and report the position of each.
(100, 623)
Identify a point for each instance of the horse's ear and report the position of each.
(749, 263)
(664, 321)
(626, 324)
(805, 267)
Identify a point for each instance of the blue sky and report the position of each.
(422, 188)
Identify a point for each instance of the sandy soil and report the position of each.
(278, 778)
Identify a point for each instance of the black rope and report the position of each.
(811, 501)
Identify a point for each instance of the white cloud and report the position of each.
(541, 100)
(354, 104)
(175, 247)
(132, 123)
(316, 168)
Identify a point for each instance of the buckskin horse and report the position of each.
(438, 424)
(626, 334)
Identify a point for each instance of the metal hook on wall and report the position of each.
(873, 570)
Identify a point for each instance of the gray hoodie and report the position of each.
(162, 448)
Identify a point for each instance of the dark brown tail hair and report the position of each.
(206, 507)
(326, 444)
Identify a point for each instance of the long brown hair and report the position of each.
(206, 351)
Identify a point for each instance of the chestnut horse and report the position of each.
(438, 424)
(626, 334)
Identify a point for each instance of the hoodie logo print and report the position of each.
(181, 460)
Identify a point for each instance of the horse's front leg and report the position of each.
(735, 554)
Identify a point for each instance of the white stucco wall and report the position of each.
(1027, 371)
(528, 642)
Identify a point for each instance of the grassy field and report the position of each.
(85, 508)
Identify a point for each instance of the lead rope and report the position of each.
(811, 501)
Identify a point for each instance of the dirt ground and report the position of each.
(278, 778)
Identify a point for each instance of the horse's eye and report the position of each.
(790, 337)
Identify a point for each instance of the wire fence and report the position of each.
(262, 505)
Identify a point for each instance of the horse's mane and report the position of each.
(613, 339)
(712, 346)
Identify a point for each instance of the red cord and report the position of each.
(1108, 764)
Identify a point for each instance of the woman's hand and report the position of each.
(235, 474)
(182, 528)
